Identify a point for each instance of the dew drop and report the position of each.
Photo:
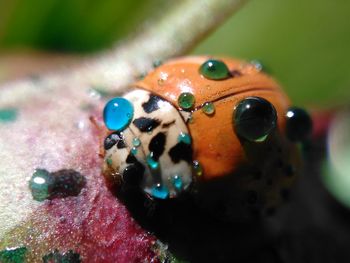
(41, 185)
(134, 150)
(214, 69)
(186, 100)
(177, 182)
(118, 113)
(136, 142)
(160, 191)
(151, 162)
(184, 137)
(208, 108)
(109, 161)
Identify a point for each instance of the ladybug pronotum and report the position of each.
(219, 125)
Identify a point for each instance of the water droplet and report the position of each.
(254, 119)
(186, 100)
(177, 182)
(136, 142)
(109, 161)
(184, 137)
(134, 150)
(208, 108)
(151, 162)
(8, 114)
(257, 65)
(41, 184)
(214, 69)
(161, 82)
(13, 255)
(299, 124)
(118, 113)
(197, 168)
(160, 191)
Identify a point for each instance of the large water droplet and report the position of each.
(118, 113)
(254, 118)
(214, 69)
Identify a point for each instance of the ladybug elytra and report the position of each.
(216, 123)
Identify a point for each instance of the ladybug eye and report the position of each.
(214, 69)
(299, 124)
(118, 113)
(254, 118)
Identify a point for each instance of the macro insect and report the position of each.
(219, 124)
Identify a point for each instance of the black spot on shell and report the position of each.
(181, 151)
(112, 139)
(131, 158)
(146, 124)
(157, 145)
(152, 104)
(133, 173)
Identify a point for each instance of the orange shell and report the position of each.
(215, 143)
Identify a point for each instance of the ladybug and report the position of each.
(217, 125)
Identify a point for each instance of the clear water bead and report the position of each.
(118, 113)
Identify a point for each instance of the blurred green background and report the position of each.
(305, 44)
